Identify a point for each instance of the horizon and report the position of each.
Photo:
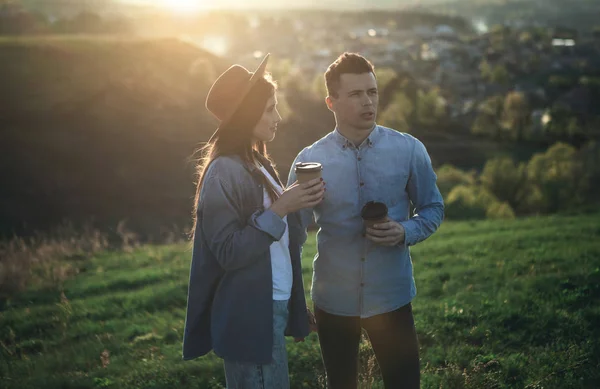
(198, 6)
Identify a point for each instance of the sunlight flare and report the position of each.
(183, 5)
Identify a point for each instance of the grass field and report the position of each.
(510, 304)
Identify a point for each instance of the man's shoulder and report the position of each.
(394, 136)
(321, 145)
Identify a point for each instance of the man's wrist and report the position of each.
(402, 241)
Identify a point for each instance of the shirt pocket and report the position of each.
(393, 188)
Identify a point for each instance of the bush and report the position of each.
(397, 113)
(500, 210)
(506, 180)
(449, 176)
(557, 177)
(476, 202)
(46, 260)
(468, 202)
(590, 159)
(560, 179)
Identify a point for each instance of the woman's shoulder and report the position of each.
(226, 167)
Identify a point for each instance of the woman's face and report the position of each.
(266, 127)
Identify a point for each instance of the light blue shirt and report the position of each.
(351, 275)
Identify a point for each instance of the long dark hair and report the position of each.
(236, 138)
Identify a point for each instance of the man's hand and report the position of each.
(389, 233)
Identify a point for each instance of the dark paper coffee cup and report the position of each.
(374, 212)
(306, 171)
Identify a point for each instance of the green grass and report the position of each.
(500, 304)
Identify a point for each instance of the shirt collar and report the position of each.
(344, 143)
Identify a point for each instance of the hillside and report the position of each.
(103, 129)
(100, 129)
(500, 305)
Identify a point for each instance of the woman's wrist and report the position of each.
(279, 209)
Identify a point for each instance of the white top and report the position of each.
(281, 263)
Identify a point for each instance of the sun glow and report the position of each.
(183, 5)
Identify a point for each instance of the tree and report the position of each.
(472, 202)
(560, 122)
(506, 180)
(319, 89)
(448, 177)
(590, 159)
(500, 75)
(488, 118)
(525, 37)
(282, 71)
(15, 19)
(431, 108)
(397, 113)
(516, 116)
(557, 178)
(486, 69)
(500, 210)
(496, 74)
(87, 22)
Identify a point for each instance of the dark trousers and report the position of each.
(394, 342)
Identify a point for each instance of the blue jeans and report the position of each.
(275, 375)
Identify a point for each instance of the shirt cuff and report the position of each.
(409, 234)
(269, 222)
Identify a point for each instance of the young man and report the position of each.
(364, 278)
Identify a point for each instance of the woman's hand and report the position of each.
(312, 324)
(299, 196)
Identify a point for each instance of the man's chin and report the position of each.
(365, 125)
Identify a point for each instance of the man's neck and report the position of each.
(357, 137)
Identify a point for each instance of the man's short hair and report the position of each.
(351, 63)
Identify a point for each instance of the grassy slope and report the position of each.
(500, 305)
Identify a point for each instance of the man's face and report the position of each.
(356, 103)
(266, 127)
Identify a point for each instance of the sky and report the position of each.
(193, 5)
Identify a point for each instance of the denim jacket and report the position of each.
(230, 292)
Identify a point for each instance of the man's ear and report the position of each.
(329, 102)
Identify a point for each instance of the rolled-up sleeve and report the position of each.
(305, 215)
(424, 196)
(235, 244)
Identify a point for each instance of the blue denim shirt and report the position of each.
(351, 275)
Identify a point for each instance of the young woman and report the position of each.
(245, 291)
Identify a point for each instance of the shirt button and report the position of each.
(359, 158)
(363, 259)
(362, 284)
(362, 184)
